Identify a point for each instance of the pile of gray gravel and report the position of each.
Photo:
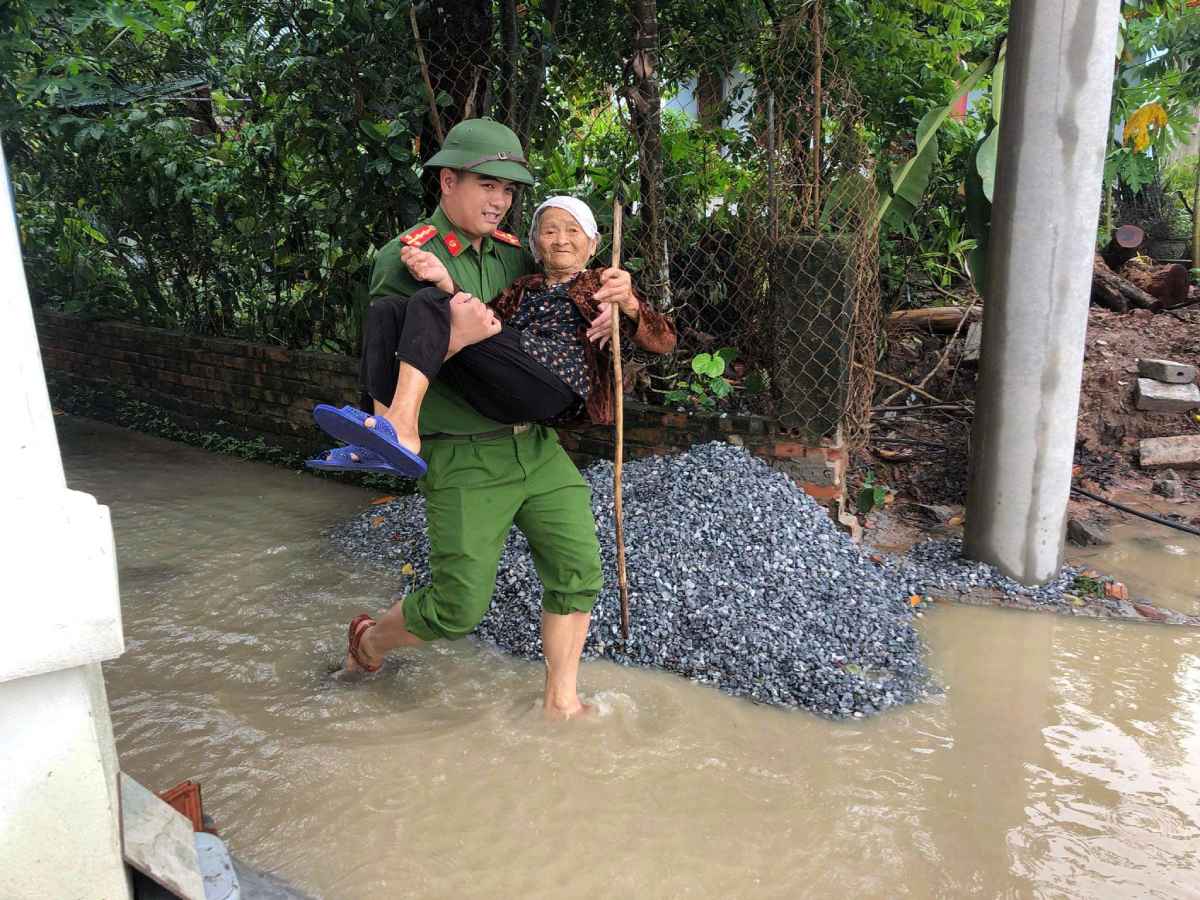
(736, 578)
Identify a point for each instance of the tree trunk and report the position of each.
(646, 114)
(1113, 292)
(818, 27)
(509, 30)
(1196, 221)
(535, 74)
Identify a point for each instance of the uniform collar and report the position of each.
(456, 242)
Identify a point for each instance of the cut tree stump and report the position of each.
(1113, 292)
(1124, 246)
(1166, 283)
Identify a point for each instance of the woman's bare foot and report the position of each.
(561, 713)
(406, 432)
(471, 321)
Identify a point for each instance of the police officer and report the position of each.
(484, 476)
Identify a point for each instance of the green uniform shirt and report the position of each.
(484, 272)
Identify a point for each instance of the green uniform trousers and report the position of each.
(474, 491)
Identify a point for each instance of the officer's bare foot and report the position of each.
(351, 666)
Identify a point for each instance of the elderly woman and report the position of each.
(542, 356)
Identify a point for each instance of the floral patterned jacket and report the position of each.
(653, 331)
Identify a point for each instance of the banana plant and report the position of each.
(910, 179)
(981, 179)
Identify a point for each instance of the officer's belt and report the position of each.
(506, 431)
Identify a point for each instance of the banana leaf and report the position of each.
(911, 178)
(979, 213)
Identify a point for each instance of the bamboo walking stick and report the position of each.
(619, 422)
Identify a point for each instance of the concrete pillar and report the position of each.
(60, 617)
(1053, 138)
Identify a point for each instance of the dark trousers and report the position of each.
(495, 376)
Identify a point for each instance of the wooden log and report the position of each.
(1166, 283)
(934, 318)
(1113, 292)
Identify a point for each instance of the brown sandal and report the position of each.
(358, 625)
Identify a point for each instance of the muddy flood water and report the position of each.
(1062, 760)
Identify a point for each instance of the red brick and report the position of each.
(795, 450)
(822, 491)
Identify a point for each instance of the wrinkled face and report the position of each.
(475, 203)
(562, 243)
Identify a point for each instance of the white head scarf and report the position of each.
(577, 208)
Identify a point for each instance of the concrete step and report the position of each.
(1167, 371)
(1154, 396)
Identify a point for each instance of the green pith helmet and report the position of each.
(483, 146)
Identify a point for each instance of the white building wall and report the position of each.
(59, 835)
(59, 618)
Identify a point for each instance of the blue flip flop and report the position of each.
(339, 460)
(348, 426)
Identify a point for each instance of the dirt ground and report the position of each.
(920, 447)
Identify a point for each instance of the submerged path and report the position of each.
(1062, 759)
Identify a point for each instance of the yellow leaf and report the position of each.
(406, 569)
(379, 501)
(376, 521)
(1138, 125)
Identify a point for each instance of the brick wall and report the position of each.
(209, 384)
(244, 389)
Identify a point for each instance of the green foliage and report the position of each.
(708, 384)
(905, 56)
(252, 209)
(1158, 69)
(939, 244)
(910, 179)
(1088, 586)
(872, 494)
(1180, 177)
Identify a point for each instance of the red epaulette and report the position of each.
(506, 237)
(418, 235)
